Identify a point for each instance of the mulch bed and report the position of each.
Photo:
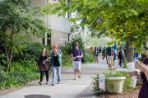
(133, 94)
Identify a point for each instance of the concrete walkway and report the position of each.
(68, 88)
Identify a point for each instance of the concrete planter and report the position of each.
(115, 84)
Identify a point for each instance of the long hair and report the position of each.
(43, 50)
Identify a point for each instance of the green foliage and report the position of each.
(30, 51)
(122, 19)
(21, 73)
(125, 63)
(66, 58)
(4, 60)
(87, 57)
(126, 87)
(17, 17)
(23, 69)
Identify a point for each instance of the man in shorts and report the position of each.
(110, 55)
(76, 55)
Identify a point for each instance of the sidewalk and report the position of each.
(68, 88)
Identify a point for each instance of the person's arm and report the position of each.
(80, 56)
(144, 69)
(72, 57)
(48, 56)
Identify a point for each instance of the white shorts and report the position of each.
(110, 58)
(76, 65)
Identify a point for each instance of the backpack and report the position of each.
(120, 54)
(110, 51)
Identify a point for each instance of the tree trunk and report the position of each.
(11, 52)
(129, 51)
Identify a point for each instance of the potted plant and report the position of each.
(115, 81)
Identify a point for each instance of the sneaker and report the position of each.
(74, 78)
(47, 82)
(40, 83)
(52, 84)
(59, 81)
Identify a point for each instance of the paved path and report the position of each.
(68, 88)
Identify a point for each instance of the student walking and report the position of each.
(100, 50)
(109, 55)
(96, 54)
(121, 56)
(43, 66)
(143, 67)
(56, 64)
(103, 53)
(76, 56)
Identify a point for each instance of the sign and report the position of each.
(102, 81)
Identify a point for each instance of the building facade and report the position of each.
(60, 26)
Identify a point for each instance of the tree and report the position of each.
(123, 20)
(17, 16)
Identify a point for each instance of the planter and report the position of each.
(133, 82)
(115, 84)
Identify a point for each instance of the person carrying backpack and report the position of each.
(110, 55)
(121, 56)
(103, 53)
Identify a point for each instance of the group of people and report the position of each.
(54, 61)
(77, 54)
(111, 54)
(97, 53)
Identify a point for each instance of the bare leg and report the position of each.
(79, 73)
(97, 59)
(75, 74)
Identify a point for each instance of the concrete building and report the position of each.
(60, 26)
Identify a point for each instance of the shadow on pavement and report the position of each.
(37, 96)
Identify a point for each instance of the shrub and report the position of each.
(88, 57)
(30, 51)
(20, 74)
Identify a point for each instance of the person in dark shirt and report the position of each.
(109, 55)
(96, 54)
(76, 55)
(56, 64)
(43, 66)
(121, 56)
(103, 53)
(144, 75)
